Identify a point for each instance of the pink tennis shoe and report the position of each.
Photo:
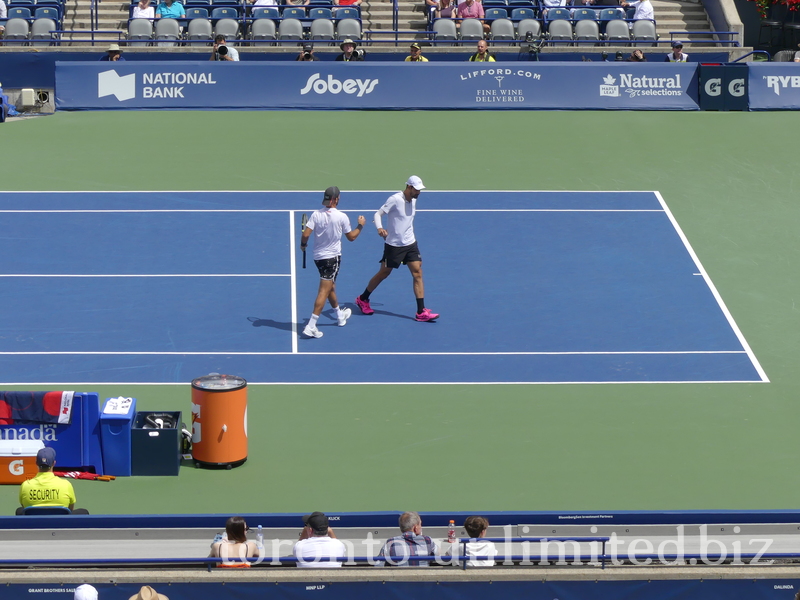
(426, 315)
(364, 306)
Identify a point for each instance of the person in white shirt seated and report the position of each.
(144, 10)
(317, 541)
(643, 9)
(476, 528)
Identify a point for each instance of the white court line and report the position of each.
(151, 275)
(471, 191)
(350, 210)
(714, 290)
(351, 383)
(293, 287)
(223, 353)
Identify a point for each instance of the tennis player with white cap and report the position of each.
(400, 247)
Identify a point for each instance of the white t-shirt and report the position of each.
(328, 225)
(476, 549)
(644, 10)
(232, 52)
(315, 547)
(144, 13)
(399, 220)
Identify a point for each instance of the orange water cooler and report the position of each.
(219, 421)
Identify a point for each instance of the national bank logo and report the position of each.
(111, 84)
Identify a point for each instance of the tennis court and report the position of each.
(470, 447)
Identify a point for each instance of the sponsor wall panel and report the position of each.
(209, 85)
(710, 589)
(774, 86)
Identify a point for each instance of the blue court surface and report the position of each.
(533, 287)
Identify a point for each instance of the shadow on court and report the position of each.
(270, 323)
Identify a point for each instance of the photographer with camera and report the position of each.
(307, 53)
(349, 52)
(222, 52)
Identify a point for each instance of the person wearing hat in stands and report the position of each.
(317, 540)
(148, 593)
(45, 489)
(349, 51)
(85, 592)
(415, 54)
(307, 53)
(220, 51)
(677, 54)
(113, 53)
(328, 225)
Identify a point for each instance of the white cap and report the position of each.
(85, 592)
(415, 182)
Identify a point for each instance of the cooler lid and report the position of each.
(20, 447)
(215, 382)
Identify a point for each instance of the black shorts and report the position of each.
(328, 268)
(394, 256)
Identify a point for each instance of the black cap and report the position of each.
(331, 193)
(318, 522)
(308, 47)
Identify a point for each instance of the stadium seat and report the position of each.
(346, 12)
(167, 32)
(553, 14)
(140, 32)
(618, 33)
(583, 14)
(494, 4)
(196, 12)
(444, 30)
(610, 14)
(263, 29)
(266, 12)
(471, 30)
(46, 510)
(495, 13)
(522, 3)
(290, 29)
(17, 29)
(644, 31)
(586, 30)
(224, 12)
(40, 32)
(320, 13)
(199, 31)
(348, 28)
(518, 14)
(559, 30)
(227, 27)
(502, 29)
(321, 29)
(294, 12)
(19, 12)
(529, 25)
(47, 12)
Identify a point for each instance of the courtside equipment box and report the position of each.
(116, 421)
(156, 443)
(18, 460)
(219, 421)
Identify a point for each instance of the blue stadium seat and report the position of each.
(522, 13)
(494, 3)
(553, 14)
(46, 510)
(196, 12)
(294, 12)
(584, 14)
(224, 12)
(320, 13)
(490, 14)
(347, 12)
(47, 12)
(21, 12)
(266, 12)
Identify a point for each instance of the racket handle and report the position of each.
(304, 259)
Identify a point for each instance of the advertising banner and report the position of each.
(322, 85)
(774, 86)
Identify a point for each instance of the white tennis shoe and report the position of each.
(345, 314)
(312, 332)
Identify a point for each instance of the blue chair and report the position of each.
(320, 13)
(494, 3)
(46, 510)
(196, 13)
(584, 14)
(518, 14)
(19, 13)
(554, 14)
(294, 12)
(266, 12)
(522, 3)
(347, 12)
(20, 3)
(490, 14)
(46, 12)
(224, 12)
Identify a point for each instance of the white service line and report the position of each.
(293, 274)
(149, 275)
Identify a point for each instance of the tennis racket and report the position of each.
(303, 222)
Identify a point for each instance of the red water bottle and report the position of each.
(451, 531)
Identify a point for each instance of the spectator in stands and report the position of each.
(643, 9)
(337, 3)
(169, 9)
(307, 53)
(113, 54)
(415, 54)
(796, 59)
(399, 549)
(483, 54)
(677, 54)
(45, 489)
(85, 592)
(144, 10)
(221, 51)
(446, 9)
(148, 593)
(297, 2)
(265, 2)
(554, 3)
(476, 528)
(234, 543)
(637, 56)
(349, 52)
(317, 540)
(3, 15)
(470, 9)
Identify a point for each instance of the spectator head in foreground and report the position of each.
(148, 593)
(85, 592)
